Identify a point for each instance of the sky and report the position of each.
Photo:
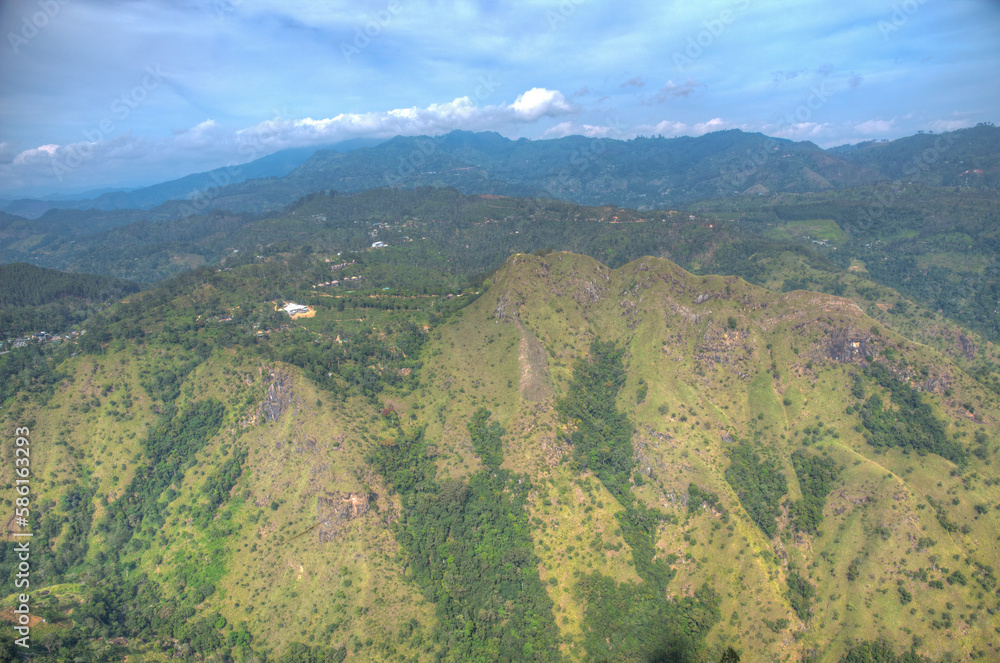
(123, 93)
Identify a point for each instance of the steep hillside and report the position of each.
(713, 364)
(580, 463)
(967, 157)
(269, 510)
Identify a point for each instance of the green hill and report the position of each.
(570, 463)
(966, 158)
(27, 285)
(36, 299)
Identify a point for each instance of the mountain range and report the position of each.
(641, 173)
(277, 164)
(417, 402)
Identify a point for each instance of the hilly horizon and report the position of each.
(643, 173)
(277, 164)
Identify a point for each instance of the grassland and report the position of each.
(305, 547)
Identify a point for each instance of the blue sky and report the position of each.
(99, 93)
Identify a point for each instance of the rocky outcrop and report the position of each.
(533, 364)
(846, 344)
(278, 395)
(506, 310)
(334, 510)
(967, 347)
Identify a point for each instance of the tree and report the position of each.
(730, 656)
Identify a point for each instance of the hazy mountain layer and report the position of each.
(642, 173)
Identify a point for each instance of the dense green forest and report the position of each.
(37, 299)
(910, 422)
(758, 483)
(816, 476)
(26, 285)
(471, 552)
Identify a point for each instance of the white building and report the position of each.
(291, 308)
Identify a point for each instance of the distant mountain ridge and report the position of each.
(967, 157)
(642, 173)
(277, 164)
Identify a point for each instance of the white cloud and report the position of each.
(671, 128)
(461, 113)
(715, 124)
(666, 128)
(561, 130)
(203, 135)
(58, 166)
(216, 145)
(564, 129)
(799, 130)
(949, 125)
(539, 102)
(34, 154)
(673, 90)
(876, 126)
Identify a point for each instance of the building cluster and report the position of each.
(336, 282)
(340, 265)
(38, 337)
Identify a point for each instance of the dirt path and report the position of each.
(7, 615)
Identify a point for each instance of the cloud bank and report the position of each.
(214, 145)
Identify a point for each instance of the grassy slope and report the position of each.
(512, 351)
(263, 562)
(719, 379)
